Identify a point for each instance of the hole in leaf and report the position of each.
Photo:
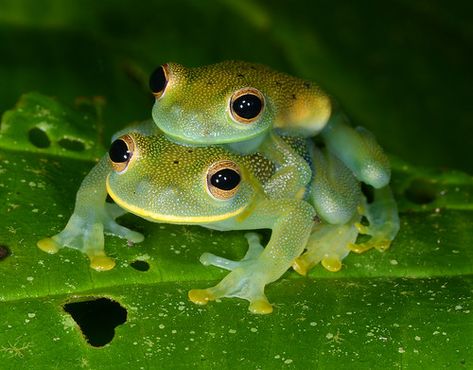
(140, 265)
(72, 144)
(4, 252)
(421, 191)
(39, 138)
(97, 319)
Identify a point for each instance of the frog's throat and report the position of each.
(205, 141)
(160, 217)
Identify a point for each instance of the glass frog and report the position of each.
(238, 104)
(166, 182)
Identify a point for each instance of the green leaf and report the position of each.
(402, 69)
(407, 306)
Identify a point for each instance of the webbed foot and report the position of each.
(246, 279)
(383, 221)
(328, 245)
(87, 235)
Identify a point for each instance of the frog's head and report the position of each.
(205, 105)
(166, 182)
(233, 101)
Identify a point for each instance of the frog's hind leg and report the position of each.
(328, 245)
(383, 219)
(358, 150)
(336, 193)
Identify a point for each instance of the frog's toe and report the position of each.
(201, 296)
(123, 232)
(254, 250)
(48, 245)
(379, 244)
(101, 263)
(209, 259)
(260, 306)
(332, 263)
(302, 265)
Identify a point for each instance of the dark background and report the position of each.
(403, 69)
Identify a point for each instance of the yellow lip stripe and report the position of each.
(159, 217)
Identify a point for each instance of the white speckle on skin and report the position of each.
(393, 262)
(401, 350)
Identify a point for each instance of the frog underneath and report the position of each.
(162, 181)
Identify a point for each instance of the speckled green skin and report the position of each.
(195, 108)
(166, 182)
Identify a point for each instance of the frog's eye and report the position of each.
(158, 80)
(246, 105)
(223, 179)
(121, 152)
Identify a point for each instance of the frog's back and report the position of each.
(300, 107)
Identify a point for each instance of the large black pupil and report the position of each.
(119, 152)
(225, 179)
(247, 106)
(157, 80)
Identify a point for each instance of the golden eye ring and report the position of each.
(247, 105)
(121, 152)
(223, 179)
(158, 80)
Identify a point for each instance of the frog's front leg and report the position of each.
(92, 217)
(248, 278)
(358, 150)
(254, 250)
(293, 173)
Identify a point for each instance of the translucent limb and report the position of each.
(291, 229)
(91, 218)
(358, 150)
(293, 173)
(254, 250)
(383, 219)
(336, 193)
(329, 245)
